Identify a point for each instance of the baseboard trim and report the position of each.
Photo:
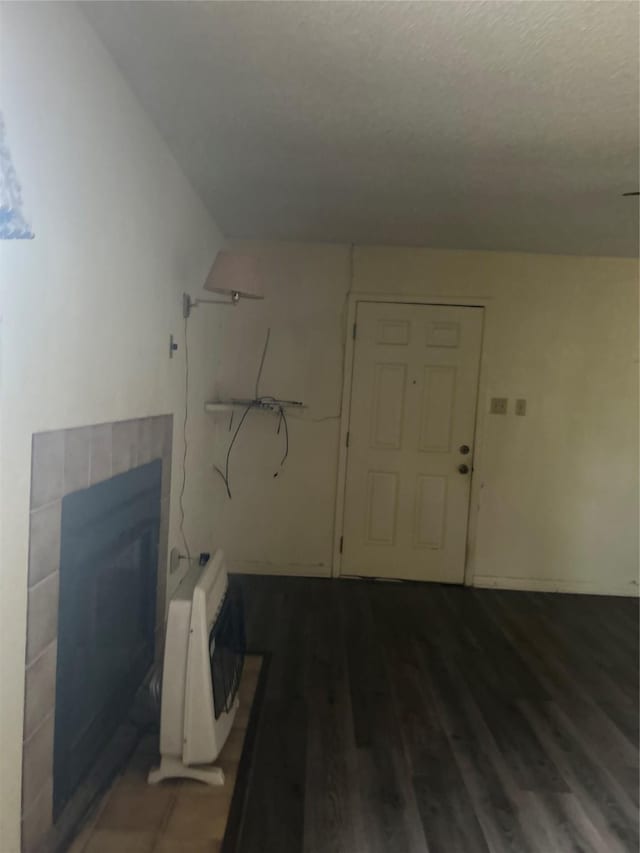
(299, 570)
(629, 589)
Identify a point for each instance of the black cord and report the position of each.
(264, 353)
(286, 436)
(283, 422)
(225, 474)
(257, 403)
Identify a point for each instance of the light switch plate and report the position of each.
(521, 407)
(498, 406)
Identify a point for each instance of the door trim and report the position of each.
(353, 300)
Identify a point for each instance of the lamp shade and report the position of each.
(235, 273)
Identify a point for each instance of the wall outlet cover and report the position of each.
(521, 406)
(498, 406)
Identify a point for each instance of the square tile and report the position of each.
(88, 824)
(44, 541)
(100, 459)
(137, 770)
(245, 697)
(42, 616)
(124, 446)
(87, 827)
(248, 686)
(157, 436)
(230, 768)
(145, 440)
(165, 489)
(241, 719)
(47, 468)
(112, 841)
(192, 787)
(133, 810)
(77, 457)
(37, 821)
(79, 843)
(232, 749)
(169, 845)
(252, 665)
(149, 745)
(40, 689)
(167, 439)
(37, 763)
(199, 818)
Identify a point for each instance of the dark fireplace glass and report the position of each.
(226, 651)
(106, 615)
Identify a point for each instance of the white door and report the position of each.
(411, 431)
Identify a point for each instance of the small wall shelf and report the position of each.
(264, 403)
(219, 407)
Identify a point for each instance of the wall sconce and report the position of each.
(233, 275)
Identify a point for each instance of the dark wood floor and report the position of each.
(421, 717)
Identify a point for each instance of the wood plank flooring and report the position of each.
(404, 718)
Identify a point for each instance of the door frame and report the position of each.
(353, 300)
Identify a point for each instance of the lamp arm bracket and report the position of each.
(188, 303)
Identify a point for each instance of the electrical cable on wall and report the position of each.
(274, 404)
(258, 402)
(264, 354)
(225, 474)
(270, 402)
(283, 422)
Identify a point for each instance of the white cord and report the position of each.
(184, 437)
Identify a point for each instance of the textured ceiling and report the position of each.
(488, 125)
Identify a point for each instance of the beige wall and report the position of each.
(284, 524)
(558, 489)
(88, 306)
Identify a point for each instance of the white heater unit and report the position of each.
(203, 659)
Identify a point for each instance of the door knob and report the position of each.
(464, 449)
(464, 469)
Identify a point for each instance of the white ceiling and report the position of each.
(481, 125)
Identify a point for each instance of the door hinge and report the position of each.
(341, 543)
(354, 331)
(347, 442)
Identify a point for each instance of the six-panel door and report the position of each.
(413, 401)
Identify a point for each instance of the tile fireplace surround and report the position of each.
(62, 462)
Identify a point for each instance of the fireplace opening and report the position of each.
(106, 616)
